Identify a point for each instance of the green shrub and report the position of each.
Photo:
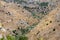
(9, 37)
(2, 38)
(44, 4)
(23, 38)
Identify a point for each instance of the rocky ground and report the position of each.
(37, 21)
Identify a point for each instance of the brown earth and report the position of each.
(11, 14)
(48, 28)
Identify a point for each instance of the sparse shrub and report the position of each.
(24, 31)
(54, 29)
(44, 4)
(47, 24)
(50, 21)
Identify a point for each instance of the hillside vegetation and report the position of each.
(29, 20)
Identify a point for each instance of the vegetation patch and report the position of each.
(44, 4)
(18, 37)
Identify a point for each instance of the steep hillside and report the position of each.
(30, 19)
(48, 28)
(13, 16)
